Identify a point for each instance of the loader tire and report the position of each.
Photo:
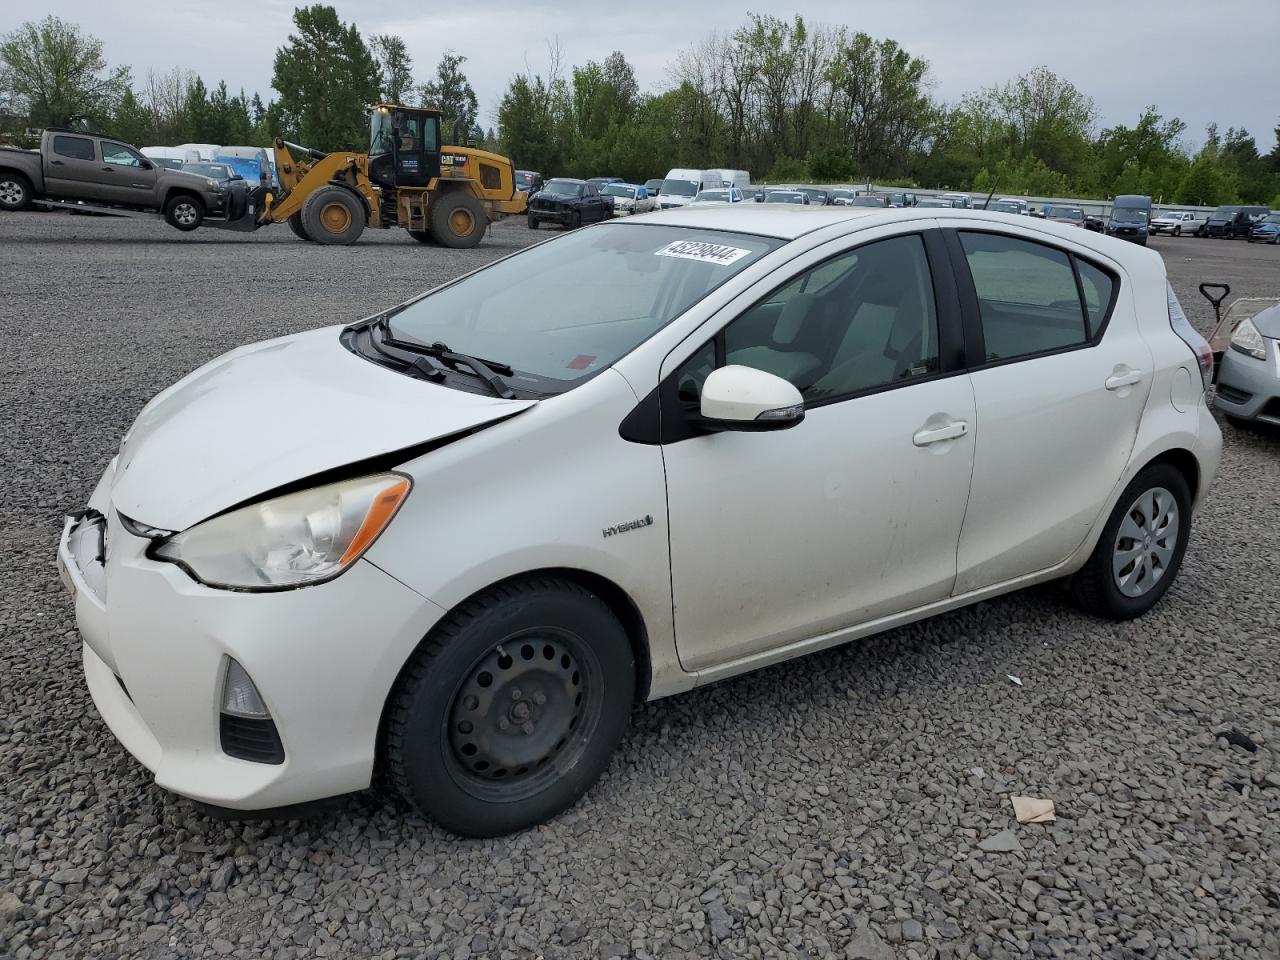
(457, 219)
(424, 237)
(333, 215)
(299, 231)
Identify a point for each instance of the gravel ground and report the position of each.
(854, 803)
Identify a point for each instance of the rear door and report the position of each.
(1060, 377)
(72, 169)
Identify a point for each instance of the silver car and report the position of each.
(1249, 372)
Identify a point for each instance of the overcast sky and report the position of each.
(1192, 58)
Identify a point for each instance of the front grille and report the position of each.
(1232, 395)
(250, 738)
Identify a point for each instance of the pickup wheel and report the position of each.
(184, 212)
(15, 191)
(299, 231)
(333, 215)
(1177, 231)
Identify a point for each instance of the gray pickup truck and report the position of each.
(89, 171)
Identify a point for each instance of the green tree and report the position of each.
(326, 77)
(1206, 183)
(132, 121)
(451, 93)
(197, 113)
(395, 66)
(58, 75)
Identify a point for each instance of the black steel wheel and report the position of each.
(509, 711)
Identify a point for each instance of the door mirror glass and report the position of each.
(743, 398)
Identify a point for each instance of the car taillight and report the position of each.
(1191, 337)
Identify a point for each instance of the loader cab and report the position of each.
(404, 145)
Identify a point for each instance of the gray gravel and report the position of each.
(851, 804)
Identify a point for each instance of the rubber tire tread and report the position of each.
(299, 231)
(425, 237)
(27, 189)
(397, 735)
(438, 213)
(1093, 587)
(173, 202)
(311, 216)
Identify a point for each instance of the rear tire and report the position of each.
(511, 708)
(333, 216)
(15, 192)
(575, 220)
(299, 231)
(425, 237)
(1141, 547)
(457, 219)
(184, 212)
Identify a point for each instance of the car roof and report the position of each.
(567, 180)
(786, 222)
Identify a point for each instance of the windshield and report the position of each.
(1067, 213)
(216, 171)
(1272, 218)
(779, 197)
(380, 136)
(867, 202)
(1000, 207)
(1225, 213)
(629, 281)
(680, 188)
(843, 194)
(1128, 215)
(718, 196)
(524, 178)
(618, 190)
(563, 188)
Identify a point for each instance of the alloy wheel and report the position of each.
(1146, 542)
(185, 213)
(11, 192)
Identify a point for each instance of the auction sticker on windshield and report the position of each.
(702, 251)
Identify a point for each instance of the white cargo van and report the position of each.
(732, 178)
(682, 185)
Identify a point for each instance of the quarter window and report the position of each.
(859, 321)
(77, 148)
(1027, 295)
(1096, 287)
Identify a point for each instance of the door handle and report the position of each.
(948, 431)
(108, 170)
(1118, 381)
(55, 163)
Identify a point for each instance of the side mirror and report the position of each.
(747, 399)
(146, 164)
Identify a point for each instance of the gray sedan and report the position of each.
(1249, 373)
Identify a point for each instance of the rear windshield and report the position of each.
(1224, 213)
(679, 188)
(628, 281)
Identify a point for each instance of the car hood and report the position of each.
(273, 413)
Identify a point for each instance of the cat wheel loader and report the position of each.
(440, 194)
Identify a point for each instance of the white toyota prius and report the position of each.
(459, 539)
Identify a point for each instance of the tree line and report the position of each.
(783, 98)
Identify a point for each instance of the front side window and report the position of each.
(568, 308)
(859, 321)
(1027, 295)
(77, 148)
(117, 154)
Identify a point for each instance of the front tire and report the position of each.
(1141, 547)
(533, 222)
(15, 192)
(184, 212)
(511, 708)
(334, 216)
(1177, 231)
(425, 237)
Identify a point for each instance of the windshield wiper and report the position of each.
(486, 370)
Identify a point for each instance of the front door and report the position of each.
(128, 177)
(851, 515)
(1061, 376)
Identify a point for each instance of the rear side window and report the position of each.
(1027, 296)
(1096, 285)
(77, 148)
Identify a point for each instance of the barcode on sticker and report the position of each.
(702, 251)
